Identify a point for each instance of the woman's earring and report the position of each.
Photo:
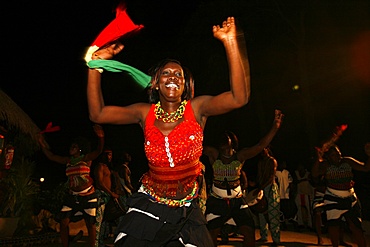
(156, 88)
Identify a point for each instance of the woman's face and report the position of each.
(334, 156)
(74, 149)
(226, 149)
(109, 156)
(171, 81)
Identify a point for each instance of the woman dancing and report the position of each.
(165, 211)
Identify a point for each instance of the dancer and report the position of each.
(340, 198)
(165, 209)
(266, 174)
(82, 200)
(304, 197)
(226, 200)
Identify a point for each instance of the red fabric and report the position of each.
(50, 128)
(121, 25)
(185, 143)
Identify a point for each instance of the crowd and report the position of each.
(175, 205)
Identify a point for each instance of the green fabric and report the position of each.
(139, 77)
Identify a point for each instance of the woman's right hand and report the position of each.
(108, 52)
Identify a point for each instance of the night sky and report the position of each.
(322, 46)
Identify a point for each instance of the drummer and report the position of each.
(225, 203)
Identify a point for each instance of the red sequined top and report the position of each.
(173, 159)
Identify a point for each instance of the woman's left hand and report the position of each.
(227, 30)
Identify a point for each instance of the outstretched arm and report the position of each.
(99, 149)
(319, 166)
(50, 155)
(211, 153)
(248, 153)
(358, 165)
(237, 58)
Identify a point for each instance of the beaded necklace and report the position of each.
(174, 202)
(172, 117)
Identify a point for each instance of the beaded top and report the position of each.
(339, 177)
(173, 159)
(229, 171)
(78, 172)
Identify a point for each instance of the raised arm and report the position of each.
(50, 155)
(319, 166)
(250, 152)
(98, 111)
(358, 165)
(237, 58)
(99, 149)
(211, 153)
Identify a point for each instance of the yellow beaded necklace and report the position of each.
(172, 117)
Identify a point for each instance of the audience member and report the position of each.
(267, 166)
(287, 204)
(304, 196)
(103, 183)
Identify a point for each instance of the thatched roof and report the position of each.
(15, 120)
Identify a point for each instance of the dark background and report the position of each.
(322, 46)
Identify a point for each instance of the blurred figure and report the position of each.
(340, 198)
(82, 200)
(103, 183)
(318, 206)
(124, 173)
(304, 196)
(319, 212)
(266, 174)
(287, 204)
